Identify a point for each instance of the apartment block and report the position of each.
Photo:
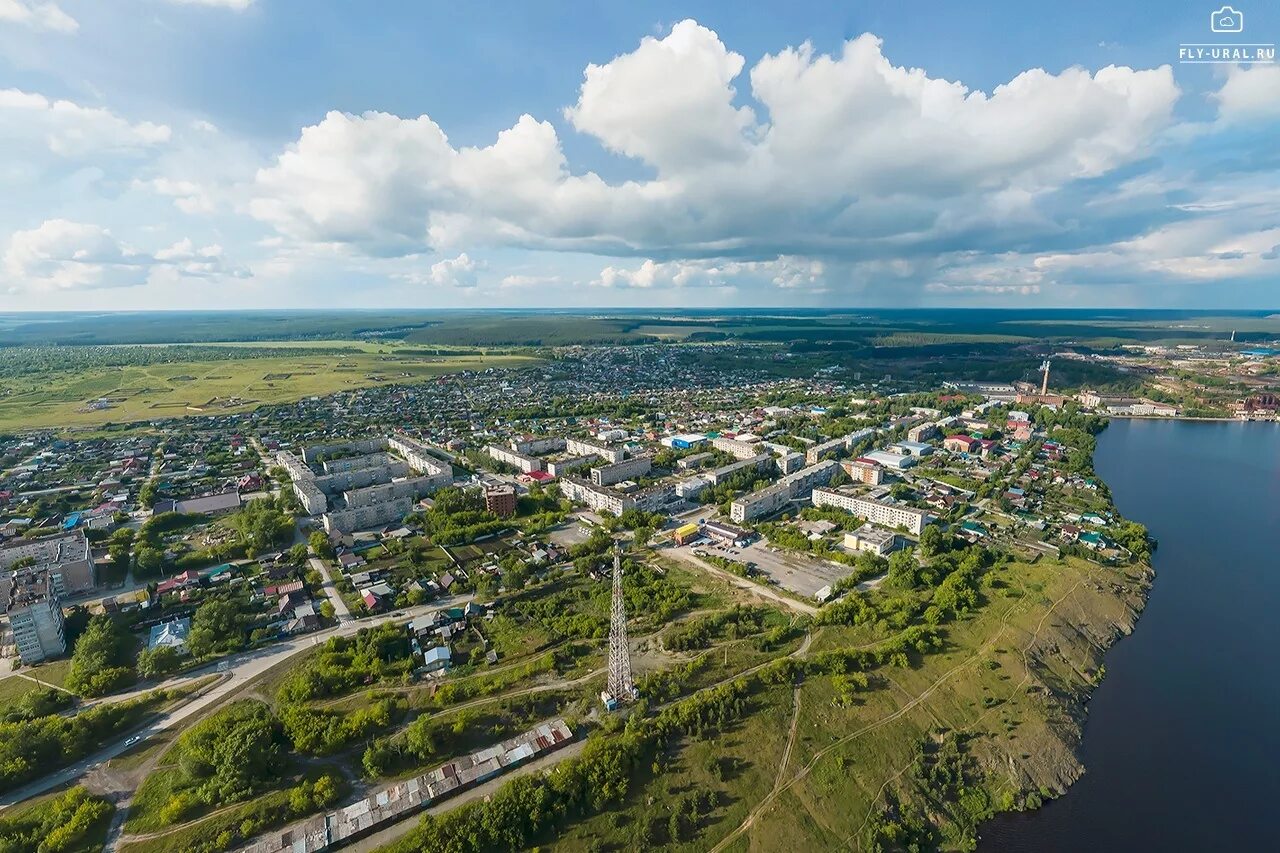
(607, 452)
(770, 499)
(413, 489)
(500, 500)
(67, 558)
(314, 453)
(31, 601)
(353, 463)
(888, 515)
(736, 449)
(560, 467)
(364, 517)
(922, 432)
(598, 498)
(607, 475)
(536, 446)
(863, 470)
(761, 463)
(517, 460)
(420, 457)
(868, 537)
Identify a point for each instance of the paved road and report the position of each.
(239, 669)
(340, 608)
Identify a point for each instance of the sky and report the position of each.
(413, 153)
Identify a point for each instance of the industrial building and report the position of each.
(888, 459)
(886, 514)
(394, 803)
(684, 442)
(735, 536)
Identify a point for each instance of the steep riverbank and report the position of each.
(1183, 726)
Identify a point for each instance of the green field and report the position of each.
(113, 393)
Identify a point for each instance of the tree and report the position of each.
(298, 554)
(902, 568)
(233, 754)
(98, 663)
(148, 561)
(217, 626)
(159, 662)
(321, 545)
(932, 540)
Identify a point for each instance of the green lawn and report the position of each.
(180, 389)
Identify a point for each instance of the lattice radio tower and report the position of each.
(621, 688)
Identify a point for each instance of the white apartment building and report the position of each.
(770, 499)
(598, 498)
(353, 463)
(560, 467)
(517, 460)
(736, 449)
(35, 615)
(419, 456)
(537, 445)
(606, 452)
(885, 514)
(607, 475)
(363, 517)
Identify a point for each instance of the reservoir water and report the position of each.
(1182, 743)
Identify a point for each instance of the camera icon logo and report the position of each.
(1226, 20)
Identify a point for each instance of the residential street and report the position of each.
(239, 670)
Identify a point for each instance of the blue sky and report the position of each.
(274, 153)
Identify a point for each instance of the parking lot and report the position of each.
(794, 572)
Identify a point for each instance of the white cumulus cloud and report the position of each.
(68, 129)
(40, 16)
(848, 156)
